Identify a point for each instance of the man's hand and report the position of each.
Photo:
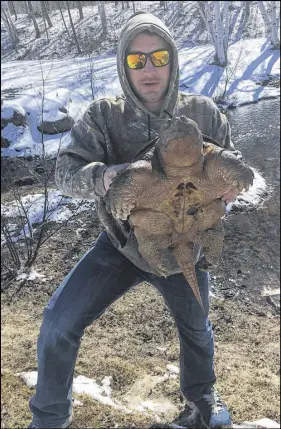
(230, 196)
(110, 173)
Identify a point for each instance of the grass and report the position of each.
(247, 360)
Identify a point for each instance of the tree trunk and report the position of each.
(14, 10)
(26, 8)
(219, 36)
(179, 8)
(63, 18)
(31, 13)
(45, 13)
(9, 24)
(274, 30)
(44, 20)
(207, 17)
(134, 7)
(10, 8)
(103, 18)
(265, 18)
(225, 25)
(73, 29)
(79, 5)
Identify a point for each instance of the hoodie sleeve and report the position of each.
(82, 158)
(221, 130)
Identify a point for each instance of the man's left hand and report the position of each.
(230, 196)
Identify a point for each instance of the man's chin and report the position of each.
(151, 98)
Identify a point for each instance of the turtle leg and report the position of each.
(153, 233)
(212, 243)
(152, 247)
(183, 254)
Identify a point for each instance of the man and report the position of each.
(112, 133)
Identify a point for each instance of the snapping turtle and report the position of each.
(174, 201)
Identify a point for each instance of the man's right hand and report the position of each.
(110, 174)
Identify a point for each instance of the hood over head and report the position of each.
(138, 23)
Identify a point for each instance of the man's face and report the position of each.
(149, 83)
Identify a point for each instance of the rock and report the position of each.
(63, 109)
(81, 232)
(39, 169)
(24, 181)
(12, 113)
(4, 142)
(55, 122)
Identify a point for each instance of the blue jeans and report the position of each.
(100, 278)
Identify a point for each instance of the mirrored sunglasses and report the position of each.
(137, 60)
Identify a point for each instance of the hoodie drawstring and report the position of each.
(149, 133)
(169, 114)
(149, 127)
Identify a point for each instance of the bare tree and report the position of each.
(225, 20)
(270, 23)
(274, 26)
(179, 7)
(221, 53)
(265, 18)
(45, 13)
(125, 3)
(206, 14)
(6, 16)
(12, 9)
(63, 18)
(21, 245)
(229, 75)
(32, 16)
(217, 25)
(79, 5)
(26, 7)
(44, 19)
(73, 28)
(103, 18)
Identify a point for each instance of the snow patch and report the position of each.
(8, 110)
(59, 209)
(51, 116)
(253, 197)
(32, 275)
(102, 393)
(261, 423)
(173, 369)
(12, 132)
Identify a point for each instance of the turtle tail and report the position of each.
(184, 257)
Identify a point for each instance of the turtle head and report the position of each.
(180, 143)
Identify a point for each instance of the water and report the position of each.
(256, 133)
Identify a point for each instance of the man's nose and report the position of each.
(149, 67)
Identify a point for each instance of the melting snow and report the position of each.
(253, 196)
(102, 393)
(59, 210)
(32, 275)
(173, 369)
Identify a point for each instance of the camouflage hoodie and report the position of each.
(116, 130)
